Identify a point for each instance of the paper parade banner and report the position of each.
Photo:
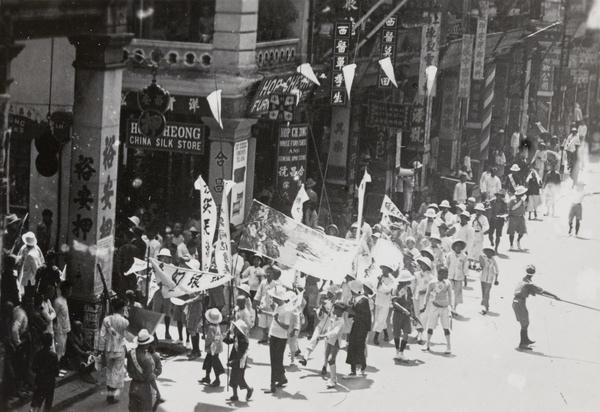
(138, 266)
(223, 248)
(281, 238)
(178, 281)
(301, 197)
(386, 253)
(208, 223)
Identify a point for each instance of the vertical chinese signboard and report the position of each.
(341, 52)
(388, 47)
(480, 40)
(291, 159)
(466, 61)
(240, 163)
(430, 47)
(449, 119)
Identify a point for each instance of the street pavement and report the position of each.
(486, 371)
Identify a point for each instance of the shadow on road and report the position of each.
(409, 363)
(203, 407)
(537, 353)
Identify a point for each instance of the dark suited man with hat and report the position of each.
(524, 289)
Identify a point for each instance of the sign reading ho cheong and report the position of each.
(282, 84)
(177, 137)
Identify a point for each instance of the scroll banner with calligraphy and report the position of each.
(466, 61)
(341, 58)
(208, 221)
(480, 41)
(281, 238)
(178, 281)
(450, 111)
(223, 246)
(338, 149)
(430, 48)
(385, 114)
(389, 34)
(291, 159)
(177, 137)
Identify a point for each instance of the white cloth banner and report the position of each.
(281, 238)
(223, 250)
(386, 253)
(208, 221)
(138, 266)
(301, 197)
(361, 200)
(178, 281)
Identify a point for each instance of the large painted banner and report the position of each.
(281, 238)
(178, 281)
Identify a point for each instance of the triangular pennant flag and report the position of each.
(388, 69)
(361, 200)
(214, 101)
(307, 72)
(348, 71)
(389, 208)
(301, 197)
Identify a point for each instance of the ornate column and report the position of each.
(94, 160)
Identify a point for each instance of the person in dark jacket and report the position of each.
(45, 367)
(238, 337)
(357, 339)
(140, 367)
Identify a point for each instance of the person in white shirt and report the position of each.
(576, 211)
(515, 143)
(333, 334)
(383, 299)
(489, 276)
(464, 231)
(253, 275)
(458, 266)
(489, 184)
(445, 216)
(460, 190)
(278, 335)
(427, 227)
(63, 322)
(571, 147)
(48, 312)
(481, 227)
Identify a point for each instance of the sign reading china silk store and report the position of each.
(291, 159)
(176, 137)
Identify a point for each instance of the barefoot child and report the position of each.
(333, 335)
(238, 337)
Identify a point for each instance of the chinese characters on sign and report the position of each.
(480, 40)
(238, 194)
(546, 78)
(430, 48)
(291, 159)
(341, 53)
(389, 34)
(449, 118)
(466, 60)
(386, 114)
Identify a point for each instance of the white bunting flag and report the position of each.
(223, 250)
(349, 71)
(306, 70)
(208, 221)
(138, 266)
(301, 197)
(214, 101)
(388, 69)
(177, 281)
(361, 200)
(389, 208)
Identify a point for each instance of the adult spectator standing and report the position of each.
(516, 217)
(112, 343)
(63, 321)
(48, 312)
(44, 231)
(571, 148)
(513, 179)
(526, 288)
(30, 258)
(48, 274)
(515, 143)
(140, 367)
(178, 233)
(489, 184)
(187, 250)
(383, 300)
(498, 215)
(21, 340)
(126, 255)
(460, 190)
(500, 161)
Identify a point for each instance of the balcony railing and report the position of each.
(198, 56)
(277, 53)
(177, 55)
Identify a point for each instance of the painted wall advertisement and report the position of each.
(240, 163)
(291, 159)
